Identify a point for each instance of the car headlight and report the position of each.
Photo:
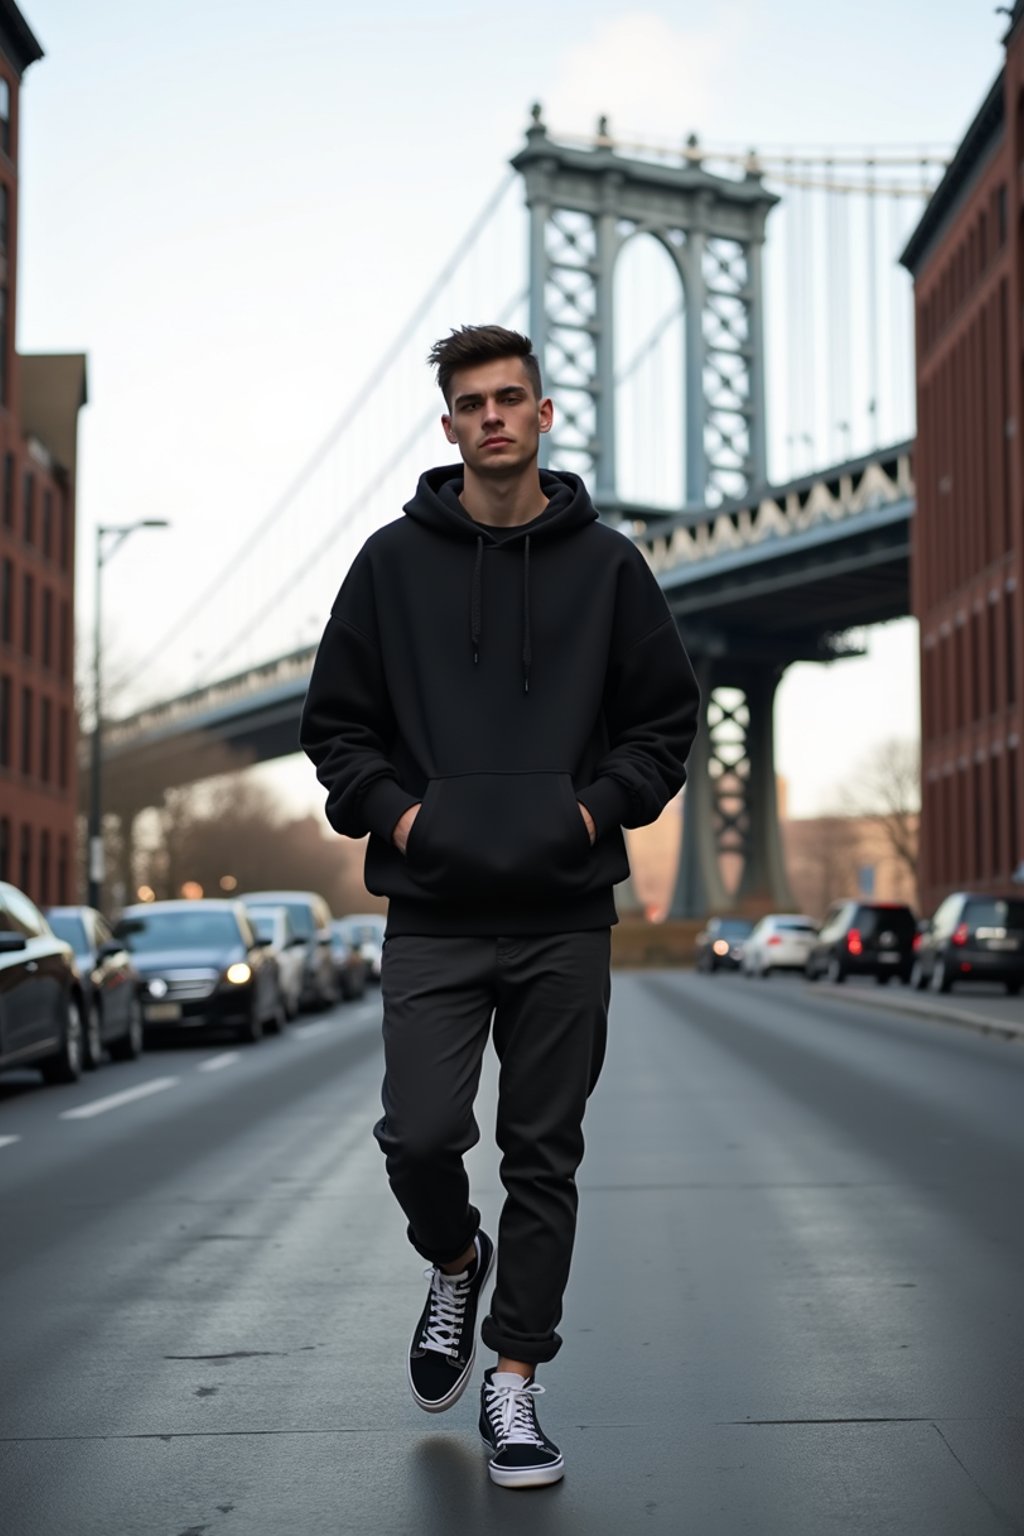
(720, 947)
(239, 974)
(158, 987)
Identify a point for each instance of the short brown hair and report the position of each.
(481, 344)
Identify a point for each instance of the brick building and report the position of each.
(967, 260)
(39, 402)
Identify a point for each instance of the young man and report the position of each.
(499, 691)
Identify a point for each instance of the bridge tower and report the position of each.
(585, 204)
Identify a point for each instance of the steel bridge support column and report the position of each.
(699, 888)
(764, 870)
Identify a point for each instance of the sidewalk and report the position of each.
(978, 1005)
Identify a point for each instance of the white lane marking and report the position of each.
(8, 1141)
(307, 1031)
(214, 1063)
(115, 1100)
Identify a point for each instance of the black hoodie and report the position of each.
(499, 676)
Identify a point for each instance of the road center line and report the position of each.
(8, 1141)
(307, 1031)
(115, 1100)
(214, 1063)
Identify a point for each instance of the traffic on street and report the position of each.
(795, 1304)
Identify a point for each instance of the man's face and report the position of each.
(495, 418)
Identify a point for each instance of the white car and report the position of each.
(365, 930)
(274, 925)
(779, 942)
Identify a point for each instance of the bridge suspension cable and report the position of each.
(353, 410)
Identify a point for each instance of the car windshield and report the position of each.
(194, 929)
(263, 922)
(734, 927)
(795, 925)
(301, 916)
(70, 929)
(991, 912)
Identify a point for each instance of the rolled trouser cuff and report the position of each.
(447, 1256)
(529, 1348)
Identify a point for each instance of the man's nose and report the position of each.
(492, 413)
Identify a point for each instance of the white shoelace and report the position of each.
(448, 1299)
(511, 1412)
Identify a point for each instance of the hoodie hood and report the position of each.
(437, 506)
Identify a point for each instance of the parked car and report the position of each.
(273, 925)
(112, 1010)
(864, 938)
(972, 937)
(366, 931)
(719, 945)
(349, 963)
(311, 919)
(40, 994)
(779, 942)
(202, 966)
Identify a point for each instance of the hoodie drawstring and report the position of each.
(527, 654)
(475, 600)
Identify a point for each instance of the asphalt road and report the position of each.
(796, 1305)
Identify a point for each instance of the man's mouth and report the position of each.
(496, 442)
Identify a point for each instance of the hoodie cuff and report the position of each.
(384, 804)
(606, 801)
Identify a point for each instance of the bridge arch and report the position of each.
(650, 317)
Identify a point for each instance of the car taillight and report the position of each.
(917, 941)
(960, 935)
(854, 942)
(774, 940)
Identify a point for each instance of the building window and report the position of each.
(29, 525)
(64, 640)
(5, 115)
(28, 615)
(45, 738)
(44, 867)
(25, 869)
(5, 848)
(62, 750)
(27, 703)
(5, 326)
(996, 827)
(62, 871)
(975, 646)
(8, 488)
(7, 601)
(47, 522)
(1016, 852)
(47, 627)
(1011, 642)
(65, 532)
(5, 217)
(6, 697)
(1001, 215)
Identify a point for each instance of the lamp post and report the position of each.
(117, 532)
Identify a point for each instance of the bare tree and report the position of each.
(886, 789)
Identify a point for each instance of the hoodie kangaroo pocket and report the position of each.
(499, 834)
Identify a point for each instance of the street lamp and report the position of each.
(117, 532)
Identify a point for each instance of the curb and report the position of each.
(976, 1021)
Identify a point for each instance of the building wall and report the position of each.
(38, 778)
(969, 525)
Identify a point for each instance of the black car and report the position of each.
(720, 943)
(311, 920)
(40, 996)
(864, 938)
(110, 984)
(972, 937)
(202, 966)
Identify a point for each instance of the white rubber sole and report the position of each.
(443, 1404)
(525, 1477)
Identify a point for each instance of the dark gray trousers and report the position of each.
(548, 995)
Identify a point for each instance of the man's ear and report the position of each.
(546, 414)
(446, 423)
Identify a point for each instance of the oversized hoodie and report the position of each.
(498, 676)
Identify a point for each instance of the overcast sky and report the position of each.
(231, 208)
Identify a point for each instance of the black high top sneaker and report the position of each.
(522, 1455)
(443, 1345)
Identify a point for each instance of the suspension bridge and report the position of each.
(728, 340)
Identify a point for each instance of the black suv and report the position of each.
(864, 938)
(972, 937)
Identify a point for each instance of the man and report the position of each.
(499, 691)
